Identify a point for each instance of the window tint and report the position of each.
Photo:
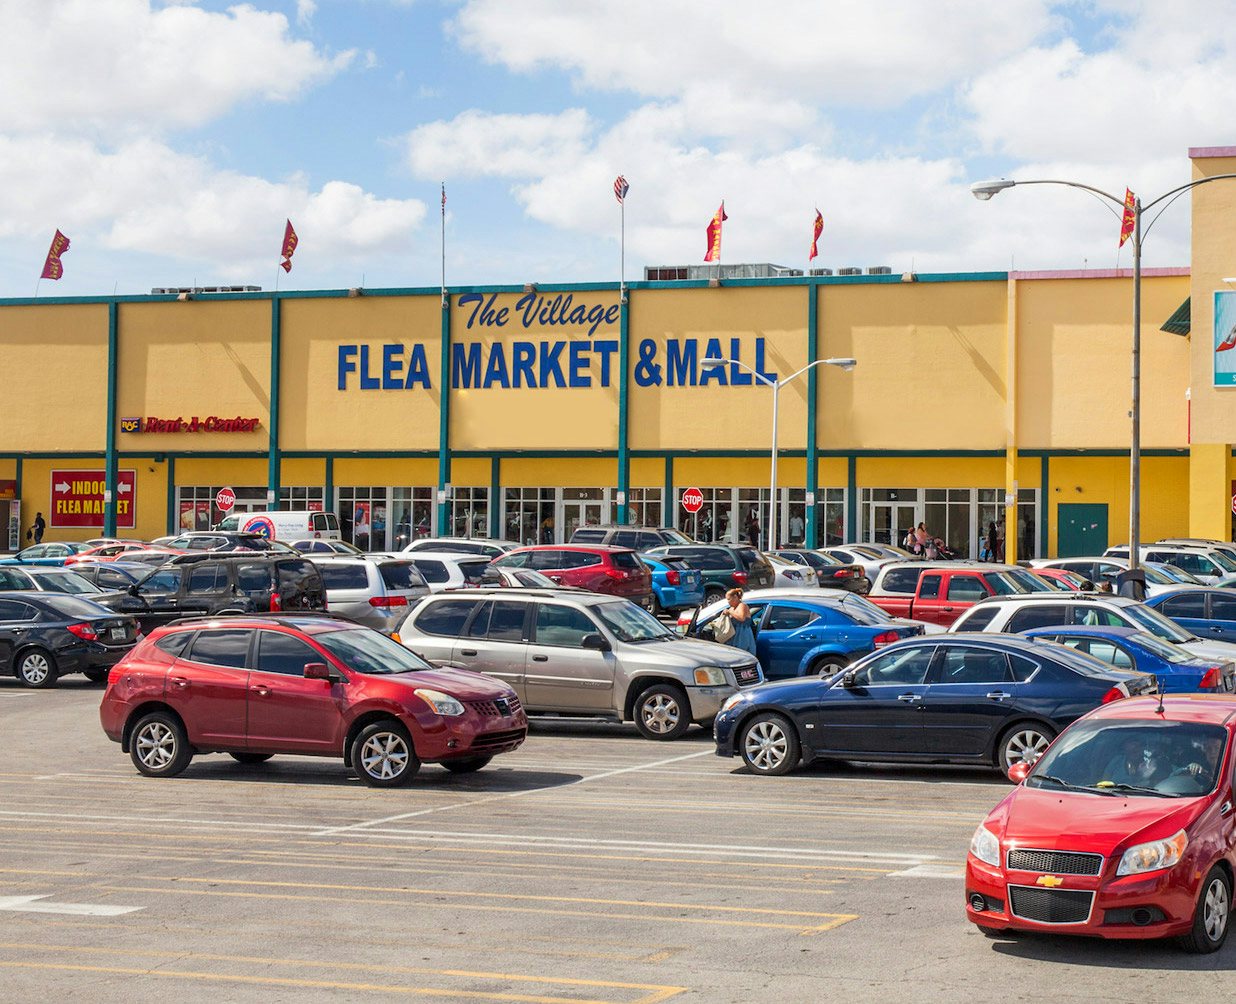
(221, 648)
(929, 587)
(972, 665)
(966, 588)
(319, 521)
(587, 536)
(562, 625)
(401, 575)
(12, 579)
(473, 571)
(1222, 607)
(506, 621)
(1035, 615)
(64, 582)
(297, 576)
(253, 578)
(479, 625)
(1023, 668)
(344, 575)
(161, 581)
(77, 607)
(112, 579)
(783, 618)
(646, 539)
(625, 560)
(711, 559)
(445, 618)
(624, 538)
(431, 570)
(174, 644)
(750, 556)
(900, 580)
(1096, 616)
(907, 666)
(281, 653)
(1184, 605)
(577, 559)
(14, 610)
(205, 579)
(543, 560)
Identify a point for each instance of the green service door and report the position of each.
(1082, 529)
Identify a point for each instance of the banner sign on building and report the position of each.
(77, 498)
(1225, 338)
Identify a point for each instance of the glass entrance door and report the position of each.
(581, 507)
(890, 521)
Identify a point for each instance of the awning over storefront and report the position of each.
(1180, 321)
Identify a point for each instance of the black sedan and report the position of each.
(830, 573)
(45, 635)
(937, 699)
(75, 582)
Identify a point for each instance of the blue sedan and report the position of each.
(1207, 611)
(797, 635)
(1177, 669)
(675, 585)
(44, 554)
(994, 699)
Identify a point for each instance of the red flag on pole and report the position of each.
(1127, 223)
(52, 267)
(290, 240)
(815, 235)
(714, 234)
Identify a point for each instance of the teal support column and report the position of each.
(173, 523)
(444, 422)
(1044, 537)
(813, 454)
(851, 498)
(109, 478)
(328, 488)
(23, 516)
(274, 466)
(624, 365)
(669, 504)
(495, 498)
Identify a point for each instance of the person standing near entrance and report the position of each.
(753, 529)
(38, 528)
(988, 551)
(796, 530)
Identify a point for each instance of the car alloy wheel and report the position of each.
(662, 712)
(1025, 744)
(156, 745)
(36, 669)
(1215, 910)
(1212, 915)
(769, 745)
(383, 755)
(159, 746)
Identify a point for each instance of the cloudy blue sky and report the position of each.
(170, 140)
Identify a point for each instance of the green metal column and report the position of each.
(444, 421)
(669, 504)
(1044, 547)
(273, 470)
(624, 363)
(813, 456)
(173, 524)
(109, 477)
(851, 498)
(495, 498)
(328, 489)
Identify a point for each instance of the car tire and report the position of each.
(250, 758)
(97, 675)
(768, 744)
(159, 745)
(654, 606)
(1211, 918)
(36, 668)
(383, 756)
(662, 712)
(1020, 741)
(713, 596)
(827, 666)
(467, 765)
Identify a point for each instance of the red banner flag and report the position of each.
(290, 240)
(714, 234)
(1130, 216)
(815, 235)
(52, 267)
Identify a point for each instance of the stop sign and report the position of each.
(692, 499)
(225, 500)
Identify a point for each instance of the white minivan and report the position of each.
(284, 525)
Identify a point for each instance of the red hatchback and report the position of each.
(616, 571)
(254, 687)
(1124, 828)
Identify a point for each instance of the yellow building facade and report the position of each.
(523, 412)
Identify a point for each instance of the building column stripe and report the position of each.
(328, 486)
(173, 524)
(624, 377)
(444, 419)
(1044, 534)
(669, 505)
(109, 476)
(273, 468)
(813, 457)
(495, 497)
(851, 498)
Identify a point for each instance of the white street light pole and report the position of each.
(984, 190)
(776, 385)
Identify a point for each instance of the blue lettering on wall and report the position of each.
(550, 365)
(466, 365)
(392, 365)
(680, 362)
(418, 369)
(367, 382)
(347, 364)
(495, 372)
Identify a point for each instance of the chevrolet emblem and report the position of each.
(1049, 880)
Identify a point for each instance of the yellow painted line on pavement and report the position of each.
(32, 871)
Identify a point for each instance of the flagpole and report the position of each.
(622, 251)
(444, 243)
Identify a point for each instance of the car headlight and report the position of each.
(443, 704)
(710, 676)
(1154, 855)
(985, 846)
(732, 702)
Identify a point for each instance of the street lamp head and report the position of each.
(984, 190)
(713, 361)
(846, 364)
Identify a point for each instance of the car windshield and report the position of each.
(1173, 573)
(1031, 582)
(531, 577)
(66, 582)
(1156, 623)
(1222, 560)
(631, 623)
(1003, 583)
(1156, 574)
(368, 652)
(1154, 759)
(851, 602)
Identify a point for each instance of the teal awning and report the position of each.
(1179, 322)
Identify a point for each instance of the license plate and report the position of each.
(117, 634)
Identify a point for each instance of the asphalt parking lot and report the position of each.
(591, 865)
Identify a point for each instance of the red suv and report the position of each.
(308, 685)
(595, 567)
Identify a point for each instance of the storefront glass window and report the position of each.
(196, 509)
(644, 506)
(529, 515)
(411, 515)
(363, 517)
(469, 512)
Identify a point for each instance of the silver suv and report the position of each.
(577, 653)
(373, 592)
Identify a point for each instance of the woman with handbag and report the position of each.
(734, 625)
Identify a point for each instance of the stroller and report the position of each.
(943, 551)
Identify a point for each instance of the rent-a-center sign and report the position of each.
(77, 498)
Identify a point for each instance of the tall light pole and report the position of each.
(776, 385)
(984, 190)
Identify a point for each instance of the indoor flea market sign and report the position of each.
(565, 346)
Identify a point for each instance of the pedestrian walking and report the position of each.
(999, 549)
(988, 550)
(920, 538)
(796, 529)
(38, 528)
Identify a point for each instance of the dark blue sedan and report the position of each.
(992, 699)
(798, 634)
(1177, 669)
(1209, 612)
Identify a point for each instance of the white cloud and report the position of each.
(305, 9)
(125, 65)
(479, 144)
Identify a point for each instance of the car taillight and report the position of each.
(1115, 694)
(388, 601)
(740, 578)
(84, 631)
(672, 577)
(616, 573)
(276, 602)
(845, 573)
(885, 638)
(1212, 679)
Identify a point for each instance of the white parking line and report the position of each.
(177, 820)
(509, 794)
(940, 871)
(31, 904)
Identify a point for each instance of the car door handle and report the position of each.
(947, 609)
(1225, 809)
(540, 658)
(998, 695)
(467, 651)
(1216, 630)
(261, 691)
(180, 682)
(911, 698)
(807, 637)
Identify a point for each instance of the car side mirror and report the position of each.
(318, 671)
(850, 679)
(1019, 770)
(596, 642)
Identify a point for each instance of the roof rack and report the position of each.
(271, 614)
